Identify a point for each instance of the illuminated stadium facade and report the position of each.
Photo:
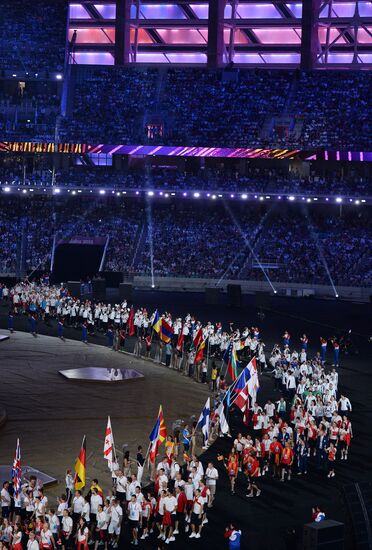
(280, 33)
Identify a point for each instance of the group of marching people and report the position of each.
(307, 424)
(40, 301)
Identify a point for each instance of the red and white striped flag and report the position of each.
(108, 448)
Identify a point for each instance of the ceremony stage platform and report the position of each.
(3, 337)
(96, 374)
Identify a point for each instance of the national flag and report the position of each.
(242, 398)
(157, 436)
(199, 356)
(180, 340)
(80, 467)
(242, 380)
(166, 332)
(231, 361)
(203, 421)
(198, 338)
(156, 322)
(131, 327)
(17, 473)
(228, 398)
(224, 427)
(108, 447)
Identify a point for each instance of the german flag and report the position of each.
(80, 467)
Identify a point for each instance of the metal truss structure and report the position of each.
(256, 33)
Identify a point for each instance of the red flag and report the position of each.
(242, 399)
(198, 338)
(180, 340)
(131, 327)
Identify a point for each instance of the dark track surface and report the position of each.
(265, 520)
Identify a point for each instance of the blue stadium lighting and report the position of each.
(74, 192)
(59, 77)
(80, 191)
(118, 194)
(357, 201)
(315, 198)
(244, 196)
(327, 199)
(262, 198)
(6, 189)
(291, 198)
(24, 191)
(214, 197)
(150, 193)
(166, 195)
(184, 194)
(336, 295)
(137, 192)
(220, 196)
(196, 195)
(232, 195)
(363, 200)
(173, 194)
(267, 197)
(102, 192)
(56, 191)
(280, 198)
(160, 193)
(338, 199)
(308, 200)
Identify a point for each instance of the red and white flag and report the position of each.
(108, 448)
(242, 399)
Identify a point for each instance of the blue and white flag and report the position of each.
(203, 422)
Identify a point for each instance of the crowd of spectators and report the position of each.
(190, 239)
(28, 110)
(116, 106)
(33, 36)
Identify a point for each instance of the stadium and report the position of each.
(185, 274)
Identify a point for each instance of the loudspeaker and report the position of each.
(126, 292)
(99, 289)
(74, 288)
(212, 296)
(325, 535)
(234, 295)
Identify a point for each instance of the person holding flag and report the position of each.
(203, 422)
(231, 361)
(109, 453)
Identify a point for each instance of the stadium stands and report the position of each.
(196, 240)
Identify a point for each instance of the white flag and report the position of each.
(108, 447)
(223, 422)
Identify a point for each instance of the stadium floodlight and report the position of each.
(280, 198)
(24, 191)
(275, 291)
(327, 199)
(59, 77)
(74, 192)
(196, 195)
(118, 194)
(160, 193)
(244, 196)
(220, 196)
(363, 200)
(184, 194)
(336, 295)
(308, 200)
(267, 197)
(14, 75)
(214, 197)
(166, 195)
(357, 201)
(262, 198)
(150, 193)
(315, 198)
(173, 194)
(291, 198)
(338, 199)
(232, 195)
(7, 189)
(56, 190)
(102, 192)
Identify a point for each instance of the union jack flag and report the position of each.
(17, 472)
